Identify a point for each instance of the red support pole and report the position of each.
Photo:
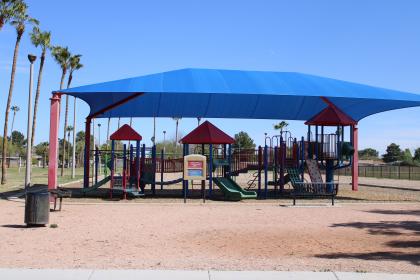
(355, 166)
(87, 154)
(53, 148)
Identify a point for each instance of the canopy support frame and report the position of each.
(87, 132)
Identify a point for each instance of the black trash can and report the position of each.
(37, 207)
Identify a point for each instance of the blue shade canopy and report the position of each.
(211, 93)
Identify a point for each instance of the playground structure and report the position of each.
(219, 159)
(280, 154)
(323, 103)
(130, 164)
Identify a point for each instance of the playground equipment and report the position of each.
(132, 167)
(270, 164)
(219, 160)
(129, 179)
(331, 150)
(232, 190)
(314, 189)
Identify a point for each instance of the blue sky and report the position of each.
(371, 42)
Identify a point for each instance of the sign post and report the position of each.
(195, 168)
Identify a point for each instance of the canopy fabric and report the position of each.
(207, 133)
(211, 93)
(126, 133)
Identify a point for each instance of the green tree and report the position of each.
(42, 150)
(393, 153)
(417, 155)
(80, 146)
(74, 64)
(8, 9)
(62, 155)
(19, 20)
(15, 109)
(69, 130)
(407, 158)
(243, 141)
(43, 40)
(171, 149)
(176, 119)
(14, 150)
(280, 126)
(368, 153)
(18, 139)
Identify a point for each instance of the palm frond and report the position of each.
(62, 56)
(39, 38)
(74, 62)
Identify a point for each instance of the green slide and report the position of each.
(97, 185)
(232, 190)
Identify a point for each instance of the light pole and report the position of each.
(164, 141)
(31, 59)
(99, 135)
(265, 138)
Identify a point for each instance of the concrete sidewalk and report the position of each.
(85, 274)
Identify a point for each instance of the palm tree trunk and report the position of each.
(9, 101)
(13, 122)
(1, 23)
(68, 149)
(73, 169)
(63, 75)
(107, 133)
(38, 90)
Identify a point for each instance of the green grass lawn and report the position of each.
(16, 179)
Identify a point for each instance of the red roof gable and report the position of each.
(207, 133)
(331, 116)
(125, 133)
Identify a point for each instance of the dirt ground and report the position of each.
(218, 235)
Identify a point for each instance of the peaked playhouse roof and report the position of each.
(331, 116)
(126, 133)
(207, 133)
(211, 93)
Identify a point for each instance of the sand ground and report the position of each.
(217, 235)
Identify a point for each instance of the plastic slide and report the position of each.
(97, 185)
(231, 190)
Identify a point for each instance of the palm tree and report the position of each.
(62, 57)
(15, 109)
(69, 129)
(107, 133)
(176, 119)
(8, 9)
(280, 126)
(19, 19)
(42, 39)
(74, 63)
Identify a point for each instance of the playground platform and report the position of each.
(75, 274)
